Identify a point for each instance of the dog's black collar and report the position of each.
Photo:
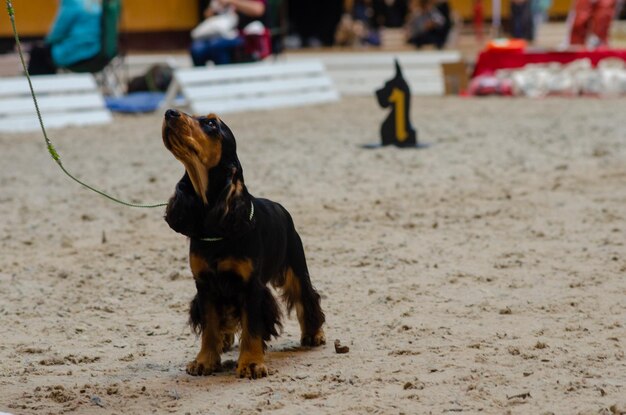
(217, 239)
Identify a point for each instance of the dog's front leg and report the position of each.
(208, 359)
(251, 364)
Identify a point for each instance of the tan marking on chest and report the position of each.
(241, 267)
(230, 320)
(198, 265)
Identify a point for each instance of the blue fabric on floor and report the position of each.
(135, 102)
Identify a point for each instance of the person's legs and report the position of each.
(515, 20)
(426, 38)
(521, 18)
(539, 18)
(305, 16)
(527, 21)
(439, 37)
(330, 15)
(582, 15)
(602, 17)
(218, 50)
(619, 6)
(444, 31)
(222, 50)
(378, 14)
(40, 62)
(200, 52)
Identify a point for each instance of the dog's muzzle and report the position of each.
(169, 114)
(169, 122)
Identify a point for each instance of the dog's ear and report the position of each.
(184, 210)
(233, 209)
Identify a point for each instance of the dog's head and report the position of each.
(202, 144)
(207, 148)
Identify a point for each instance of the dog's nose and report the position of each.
(172, 114)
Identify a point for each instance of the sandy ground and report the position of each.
(490, 265)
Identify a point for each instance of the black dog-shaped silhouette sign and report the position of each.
(397, 128)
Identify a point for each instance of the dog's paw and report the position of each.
(251, 370)
(315, 340)
(196, 368)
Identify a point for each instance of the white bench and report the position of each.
(251, 86)
(361, 73)
(65, 99)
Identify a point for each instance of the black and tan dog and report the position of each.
(238, 245)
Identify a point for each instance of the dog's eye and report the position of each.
(209, 122)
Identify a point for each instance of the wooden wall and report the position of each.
(143, 16)
(34, 17)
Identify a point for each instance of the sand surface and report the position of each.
(490, 265)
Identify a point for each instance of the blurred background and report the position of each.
(145, 27)
(148, 33)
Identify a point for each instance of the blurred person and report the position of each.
(356, 25)
(364, 12)
(396, 12)
(202, 6)
(219, 48)
(388, 13)
(315, 22)
(540, 14)
(522, 20)
(378, 10)
(302, 17)
(592, 21)
(74, 37)
(330, 12)
(619, 7)
(478, 19)
(429, 23)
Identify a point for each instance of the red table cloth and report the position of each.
(491, 60)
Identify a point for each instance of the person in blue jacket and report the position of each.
(74, 37)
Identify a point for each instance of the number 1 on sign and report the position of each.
(397, 98)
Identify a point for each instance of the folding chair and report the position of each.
(103, 63)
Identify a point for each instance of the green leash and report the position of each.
(49, 145)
